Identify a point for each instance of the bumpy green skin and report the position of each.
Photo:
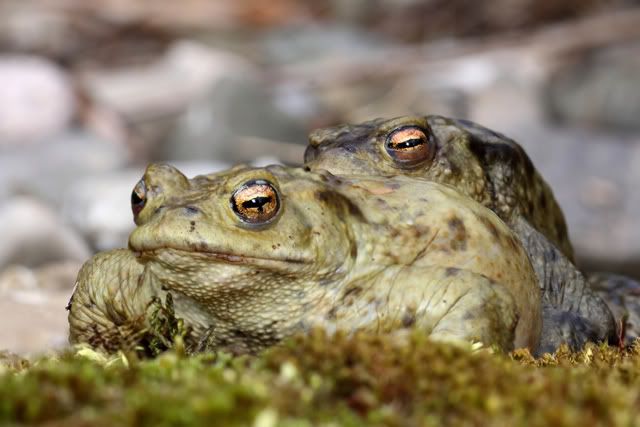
(377, 254)
(113, 311)
(496, 172)
(486, 166)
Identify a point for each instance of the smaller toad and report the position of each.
(486, 166)
(496, 172)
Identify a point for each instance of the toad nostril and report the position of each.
(191, 210)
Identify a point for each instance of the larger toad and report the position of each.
(251, 256)
(496, 172)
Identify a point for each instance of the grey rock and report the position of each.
(34, 322)
(197, 102)
(47, 168)
(33, 234)
(310, 43)
(235, 111)
(602, 89)
(36, 99)
(32, 302)
(164, 87)
(54, 276)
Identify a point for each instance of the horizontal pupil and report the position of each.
(256, 202)
(409, 143)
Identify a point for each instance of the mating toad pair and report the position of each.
(415, 222)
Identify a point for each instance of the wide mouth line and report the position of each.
(222, 256)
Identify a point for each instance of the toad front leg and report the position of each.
(108, 307)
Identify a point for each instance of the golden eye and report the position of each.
(409, 145)
(256, 202)
(138, 197)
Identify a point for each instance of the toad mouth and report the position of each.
(226, 257)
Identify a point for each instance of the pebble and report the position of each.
(47, 168)
(34, 234)
(32, 303)
(36, 99)
(598, 90)
(166, 86)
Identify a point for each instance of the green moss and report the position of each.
(166, 331)
(316, 380)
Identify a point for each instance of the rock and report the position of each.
(50, 277)
(32, 303)
(414, 20)
(164, 87)
(317, 43)
(47, 168)
(99, 206)
(36, 99)
(233, 113)
(33, 234)
(234, 110)
(34, 325)
(598, 90)
(70, 29)
(197, 100)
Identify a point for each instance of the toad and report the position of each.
(495, 171)
(253, 255)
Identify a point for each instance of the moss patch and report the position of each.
(314, 380)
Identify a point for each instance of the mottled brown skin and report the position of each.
(485, 165)
(496, 172)
(340, 254)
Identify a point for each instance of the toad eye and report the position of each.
(256, 202)
(409, 145)
(138, 197)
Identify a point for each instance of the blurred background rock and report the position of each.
(92, 91)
